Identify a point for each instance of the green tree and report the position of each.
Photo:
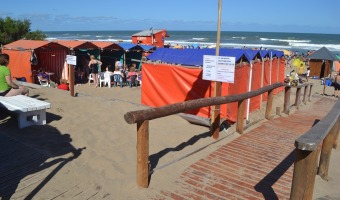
(12, 30)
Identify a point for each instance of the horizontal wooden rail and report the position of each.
(307, 88)
(153, 113)
(312, 139)
(142, 117)
(323, 135)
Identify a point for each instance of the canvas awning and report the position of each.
(194, 57)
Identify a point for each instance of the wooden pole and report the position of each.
(310, 92)
(269, 104)
(153, 113)
(71, 78)
(298, 97)
(286, 102)
(215, 117)
(336, 136)
(326, 152)
(304, 174)
(143, 153)
(305, 94)
(240, 116)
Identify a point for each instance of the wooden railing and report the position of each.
(322, 136)
(142, 117)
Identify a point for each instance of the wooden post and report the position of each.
(304, 174)
(305, 95)
(240, 116)
(71, 79)
(298, 97)
(286, 105)
(215, 117)
(269, 104)
(143, 153)
(336, 136)
(310, 92)
(278, 111)
(326, 152)
(324, 86)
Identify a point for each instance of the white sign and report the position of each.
(72, 60)
(219, 68)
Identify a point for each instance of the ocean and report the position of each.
(296, 42)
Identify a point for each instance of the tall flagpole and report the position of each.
(215, 117)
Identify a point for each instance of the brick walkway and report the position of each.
(257, 165)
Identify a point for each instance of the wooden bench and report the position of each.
(30, 111)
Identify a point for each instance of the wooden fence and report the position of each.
(321, 137)
(142, 117)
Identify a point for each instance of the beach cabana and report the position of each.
(175, 75)
(82, 50)
(154, 37)
(28, 56)
(109, 52)
(321, 62)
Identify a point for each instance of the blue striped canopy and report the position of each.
(194, 57)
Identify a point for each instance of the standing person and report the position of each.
(7, 86)
(308, 73)
(337, 85)
(93, 65)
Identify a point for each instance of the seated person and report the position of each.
(118, 72)
(63, 85)
(42, 75)
(132, 73)
(7, 86)
(108, 73)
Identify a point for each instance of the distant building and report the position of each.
(153, 37)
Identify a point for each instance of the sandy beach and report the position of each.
(87, 142)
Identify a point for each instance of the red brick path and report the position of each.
(256, 165)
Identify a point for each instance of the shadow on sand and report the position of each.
(30, 151)
(154, 158)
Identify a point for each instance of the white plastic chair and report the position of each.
(105, 78)
(90, 79)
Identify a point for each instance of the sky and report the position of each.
(296, 16)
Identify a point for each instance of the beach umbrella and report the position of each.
(299, 65)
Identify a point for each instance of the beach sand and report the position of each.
(92, 147)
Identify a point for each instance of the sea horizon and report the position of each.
(295, 42)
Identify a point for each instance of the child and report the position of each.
(63, 85)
